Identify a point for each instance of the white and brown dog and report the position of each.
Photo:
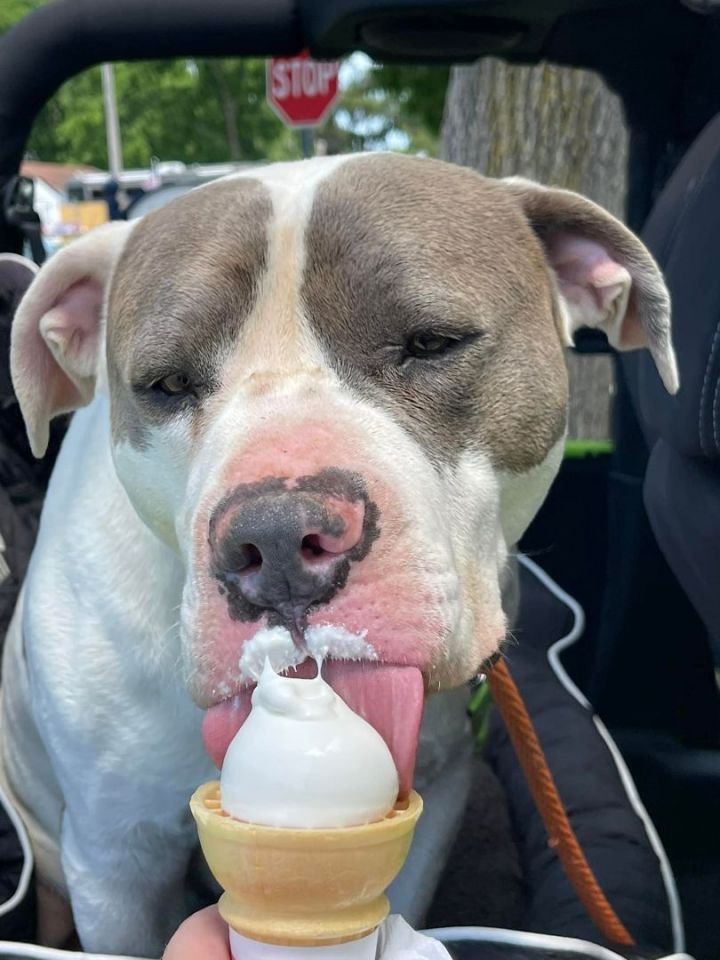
(323, 402)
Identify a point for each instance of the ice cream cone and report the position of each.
(303, 887)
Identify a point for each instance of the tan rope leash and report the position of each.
(547, 799)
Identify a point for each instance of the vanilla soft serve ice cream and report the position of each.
(304, 759)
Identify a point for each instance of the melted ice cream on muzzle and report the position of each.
(389, 697)
(304, 759)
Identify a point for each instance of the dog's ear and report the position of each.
(57, 332)
(606, 277)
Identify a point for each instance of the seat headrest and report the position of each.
(683, 234)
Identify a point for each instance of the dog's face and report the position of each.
(337, 389)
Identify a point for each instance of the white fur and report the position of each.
(295, 178)
(157, 495)
(522, 494)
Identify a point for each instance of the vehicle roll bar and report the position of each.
(65, 37)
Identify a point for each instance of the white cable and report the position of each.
(27, 867)
(559, 647)
(10, 949)
(534, 941)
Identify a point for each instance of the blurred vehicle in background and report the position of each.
(71, 199)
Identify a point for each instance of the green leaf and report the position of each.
(215, 110)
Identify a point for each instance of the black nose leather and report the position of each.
(287, 550)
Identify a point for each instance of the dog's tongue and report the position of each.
(389, 698)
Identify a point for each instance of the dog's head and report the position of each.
(338, 391)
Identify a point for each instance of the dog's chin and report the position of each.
(388, 696)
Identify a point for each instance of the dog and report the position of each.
(318, 405)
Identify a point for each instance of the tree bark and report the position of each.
(229, 110)
(562, 127)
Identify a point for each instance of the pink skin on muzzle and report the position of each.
(388, 596)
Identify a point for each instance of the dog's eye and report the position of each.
(175, 385)
(428, 345)
(423, 344)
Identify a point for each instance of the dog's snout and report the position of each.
(286, 550)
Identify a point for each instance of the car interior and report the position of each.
(630, 534)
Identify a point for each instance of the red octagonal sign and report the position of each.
(300, 90)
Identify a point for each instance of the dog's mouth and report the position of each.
(389, 697)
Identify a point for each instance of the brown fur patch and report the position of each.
(397, 245)
(184, 285)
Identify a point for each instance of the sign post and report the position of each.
(302, 92)
(307, 140)
(112, 125)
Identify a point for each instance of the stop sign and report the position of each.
(301, 91)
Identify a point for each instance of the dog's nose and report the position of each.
(286, 550)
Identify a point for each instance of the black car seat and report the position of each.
(682, 485)
(658, 655)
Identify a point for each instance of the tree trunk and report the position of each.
(229, 109)
(562, 127)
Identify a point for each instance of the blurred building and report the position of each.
(51, 188)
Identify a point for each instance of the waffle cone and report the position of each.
(303, 887)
